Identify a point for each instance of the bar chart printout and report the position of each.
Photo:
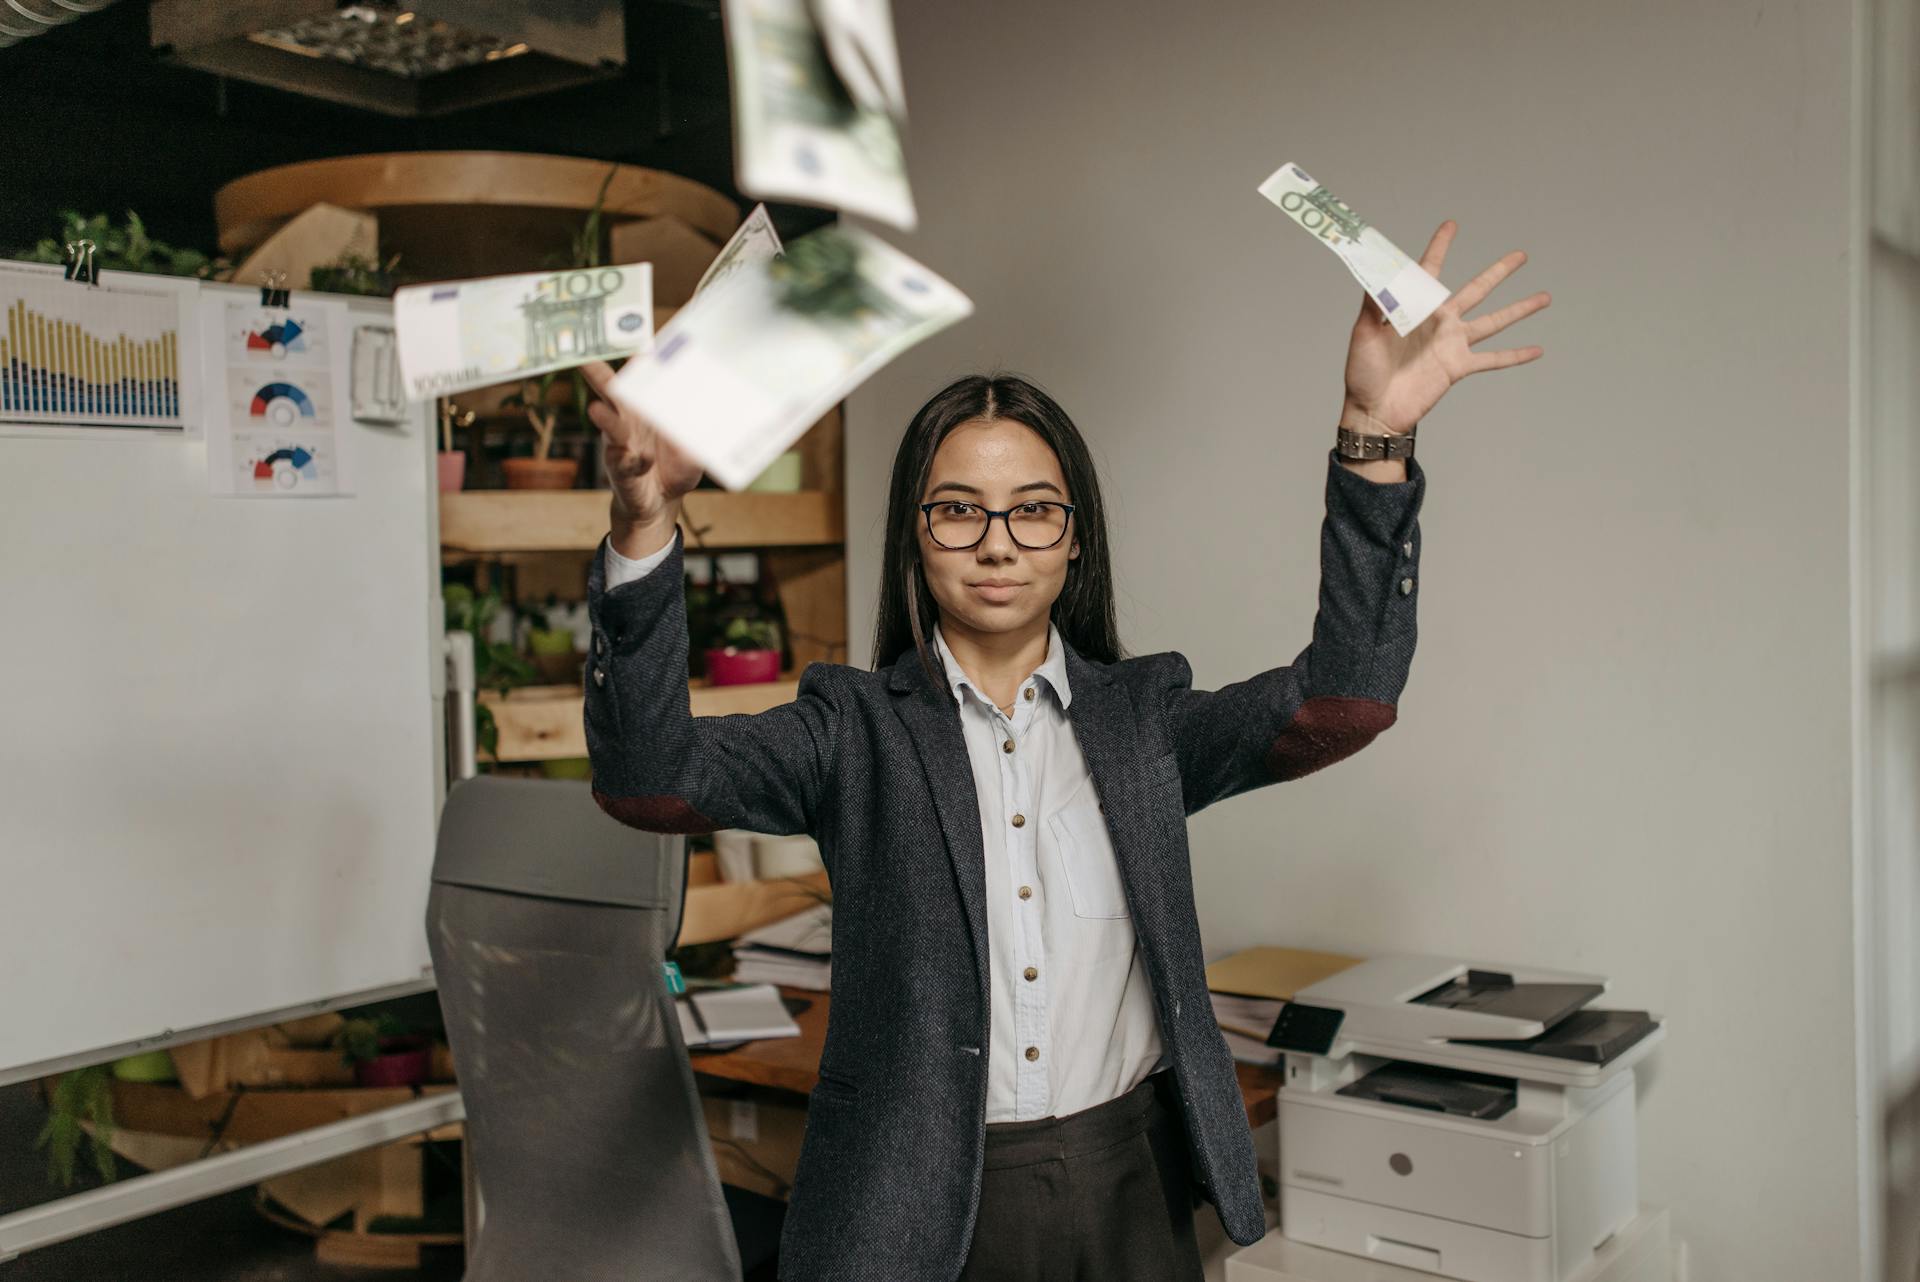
(108, 355)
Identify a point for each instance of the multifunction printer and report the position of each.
(1469, 1120)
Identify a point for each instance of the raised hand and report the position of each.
(1396, 381)
(647, 472)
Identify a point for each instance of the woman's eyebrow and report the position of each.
(974, 489)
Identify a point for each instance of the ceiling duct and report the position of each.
(22, 19)
(424, 58)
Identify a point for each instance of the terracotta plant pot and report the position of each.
(403, 1061)
(453, 470)
(540, 473)
(731, 667)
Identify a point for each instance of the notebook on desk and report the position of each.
(721, 1016)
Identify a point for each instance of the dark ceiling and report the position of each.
(98, 124)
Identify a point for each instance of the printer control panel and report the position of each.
(1307, 1029)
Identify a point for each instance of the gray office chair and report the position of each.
(548, 923)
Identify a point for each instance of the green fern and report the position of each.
(83, 1094)
(128, 248)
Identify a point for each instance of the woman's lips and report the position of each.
(996, 592)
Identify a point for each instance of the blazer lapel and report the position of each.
(1104, 723)
(932, 719)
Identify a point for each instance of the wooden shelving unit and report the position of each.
(538, 723)
(485, 522)
(547, 537)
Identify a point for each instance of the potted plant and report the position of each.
(81, 1095)
(352, 274)
(749, 651)
(540, 472)
(537, 398)
(452, 462)
(125, 248)
(551, 644)
(495, 664)
(383, 1052)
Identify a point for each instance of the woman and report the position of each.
(1022, 1076)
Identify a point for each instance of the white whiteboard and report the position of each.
(220, 736)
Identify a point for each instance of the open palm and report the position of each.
(1399, 380)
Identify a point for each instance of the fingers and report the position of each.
(1484, 361)
(1468, 296)
(613, 425)
(599, 374)
(1436, 256)
(1482, 327)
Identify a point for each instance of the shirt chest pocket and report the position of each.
(1085, 849)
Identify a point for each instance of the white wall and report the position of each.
(1625, 746)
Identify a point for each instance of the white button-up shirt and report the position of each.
(1071, 1008)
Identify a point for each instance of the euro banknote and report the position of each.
(797, 133)
(747, 367)
(493, 329)
(1404, 292)
(755, 242)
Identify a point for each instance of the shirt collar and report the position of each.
(1051, 673)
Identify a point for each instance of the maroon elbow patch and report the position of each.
(655, 814)
(1324, 731)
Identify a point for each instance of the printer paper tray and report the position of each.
(1413, 1240)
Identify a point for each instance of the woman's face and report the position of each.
(996, 585)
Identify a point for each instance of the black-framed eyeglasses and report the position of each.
(958, 526)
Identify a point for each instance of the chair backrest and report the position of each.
(549, 923)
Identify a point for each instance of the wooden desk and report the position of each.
(793, 1063)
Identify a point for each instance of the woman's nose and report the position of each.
(998, 542)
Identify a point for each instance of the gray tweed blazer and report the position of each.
(874, 766)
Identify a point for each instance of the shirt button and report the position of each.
(1019, 821)
(599, 676)
(1007, 746)
(1026, 892)
(1033, 1053)
(1031, 974)
(599, 643)
(1406, 549)
(1029, 693)
(1406, 587)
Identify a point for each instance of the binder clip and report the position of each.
(274, 291)
(80, 262)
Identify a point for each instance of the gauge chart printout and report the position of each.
(275, 420)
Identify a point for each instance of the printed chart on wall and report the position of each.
(120, 353)
(275, 426)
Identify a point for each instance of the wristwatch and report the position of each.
(1353, 445)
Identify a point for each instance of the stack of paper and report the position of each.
(796, 950)
(1245, 1023)
(1249, 987)
(722, 1015)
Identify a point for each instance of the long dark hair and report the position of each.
(1084, 609)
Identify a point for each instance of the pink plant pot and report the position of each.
(403, 1061)
(453, 471)
(731, 667)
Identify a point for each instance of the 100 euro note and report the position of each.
(797, 135)
(1399, 286)
(494, 329)
(743, 373)
(755, 242)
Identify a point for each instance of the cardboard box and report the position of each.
(263, 1057)
(756, 1133)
